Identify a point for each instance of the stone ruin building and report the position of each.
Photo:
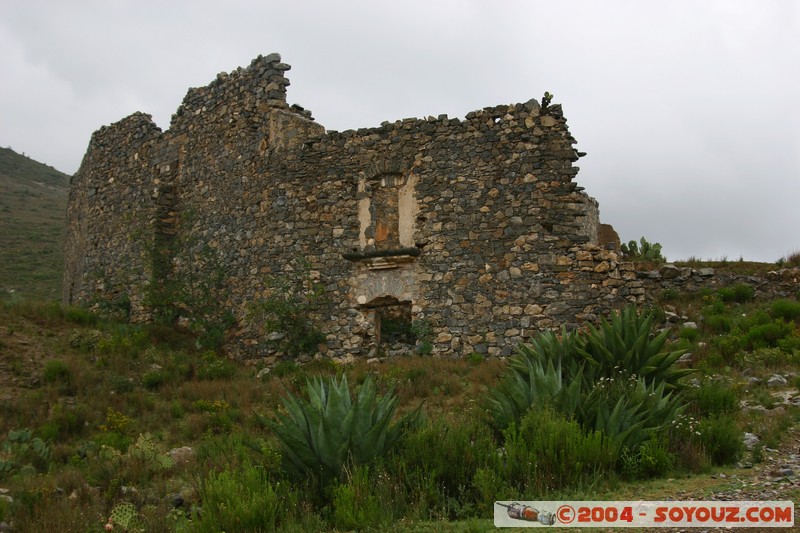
(473, 228)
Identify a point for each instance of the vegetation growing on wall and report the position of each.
(644, 251)
(286, 317)
(187, 285)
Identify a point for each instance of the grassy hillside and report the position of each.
(103, 419)
(33, 202)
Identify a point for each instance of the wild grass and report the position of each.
(104, 385)
(32, 219)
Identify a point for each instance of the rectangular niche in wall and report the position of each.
(386, 210)
(385, 214)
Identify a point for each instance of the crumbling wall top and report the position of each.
(131, 130)
(240, 94)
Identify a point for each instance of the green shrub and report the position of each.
(121, 384)
(112, 439)
(284, 368)
(213, 366)
(80, 316)
(243, 500)
(669, 295)
(689, 334)
(475, 358)
(423, 336)
(790, 260)
(491, 485)
(439, 460)
(769, 357)
(652, 459)
(756, 318)
(154, 379)
(786, 309)
(765, 398)
(232, 451)
(549, 452)
(320, 435)
(727, 347)
(717, 323)
(721, 439)
(740, 293)
(57, 371)
(716, 307)
(768, 335)
(790, 345)
(355, 504)
(65, 420)
(714, 398)
(629, 410)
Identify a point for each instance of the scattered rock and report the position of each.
(347, 359)
(776, 380)
(262, 373)
(181, 455)
(750, 440)
(690, 325)
(669, 271)
(275, 336)
(176, 500)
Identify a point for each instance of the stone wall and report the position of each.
(474, 227)
(780, 283)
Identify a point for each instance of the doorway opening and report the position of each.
(393, 324)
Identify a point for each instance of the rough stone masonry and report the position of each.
(473, 228)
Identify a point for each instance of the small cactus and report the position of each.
(644, 251)
(125, 516)
(145, 449)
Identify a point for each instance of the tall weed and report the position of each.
(243, 500)
(721, 439)
(549, 452)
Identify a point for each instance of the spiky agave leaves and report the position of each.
(616, 378)
(533, 383)
(631, 416)
(320, 435)
(564, 351)
(625, 345)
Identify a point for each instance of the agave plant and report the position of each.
(322, 434)
(562, 350)
(626, 344)
(533, 383)
(630, 416)
(616, 378)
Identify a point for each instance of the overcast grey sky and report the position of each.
(688, 109)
